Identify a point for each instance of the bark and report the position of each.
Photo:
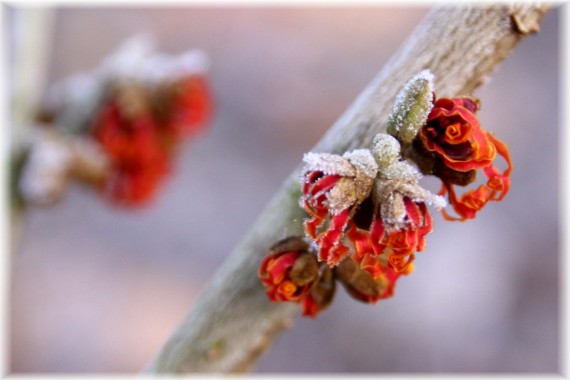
(233, 321)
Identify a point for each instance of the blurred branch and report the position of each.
(233, 322)
(31, 32)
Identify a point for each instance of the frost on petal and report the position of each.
(412, 107)
(328, 163)
(390, 194)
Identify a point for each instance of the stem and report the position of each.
(233, 321)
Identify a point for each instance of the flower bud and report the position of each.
(386, 150)
(412, 107)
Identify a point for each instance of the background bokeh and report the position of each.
(98, 289)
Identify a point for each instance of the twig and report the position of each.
(233, 322)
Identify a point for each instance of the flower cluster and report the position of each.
(292, 273)
(367, 214)
(133, 111)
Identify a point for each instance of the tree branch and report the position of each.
(233, 321)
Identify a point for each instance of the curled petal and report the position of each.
(468, 205)
(495, 189)
(499, 183)
(314, 199)
(401, 263)
(454, 133)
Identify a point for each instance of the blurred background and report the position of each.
(97, 289)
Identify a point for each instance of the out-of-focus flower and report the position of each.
(139, 162)
(141, 129)
(138, 106)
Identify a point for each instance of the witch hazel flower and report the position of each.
(333, 188)
(400, 219)
(291, 272)
(453, 146)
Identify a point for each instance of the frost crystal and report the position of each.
(401, 170)
(390, 195)
(386, 149)
(138, 59)
(363, 160)
(412, 107)
(328, 164)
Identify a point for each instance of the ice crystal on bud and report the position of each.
(401, 170)
(362, 159)
(386, 149)
(412, 107)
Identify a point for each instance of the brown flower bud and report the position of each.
(361, 285)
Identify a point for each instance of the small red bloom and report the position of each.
(453, 131)
(274, 273)
(292, 273)
(454, 134)
(333, 187)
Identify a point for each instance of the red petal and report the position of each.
(331, 249)
(377, 236)
(278, 267)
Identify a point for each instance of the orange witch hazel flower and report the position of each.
(291, 273)
(459, 147)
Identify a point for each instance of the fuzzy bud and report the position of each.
(412, 107)
(386, 150)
